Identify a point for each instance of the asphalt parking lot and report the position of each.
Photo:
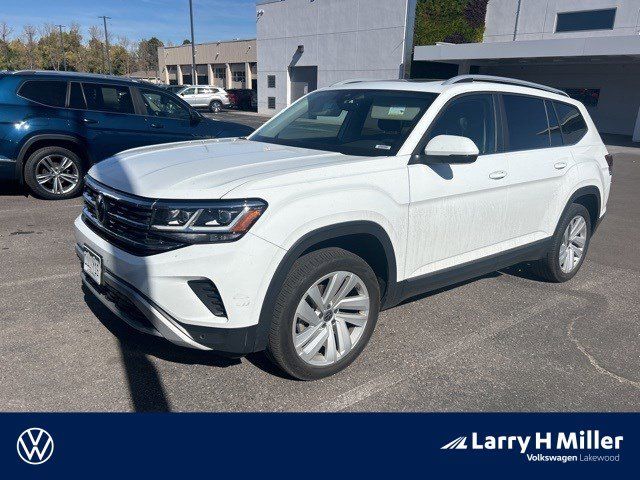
(503, 342)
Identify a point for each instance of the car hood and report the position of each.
(203, 169)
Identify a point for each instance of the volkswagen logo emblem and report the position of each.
(35, 446)
(101, 208)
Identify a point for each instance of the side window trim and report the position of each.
(68, 101)
(423, 141)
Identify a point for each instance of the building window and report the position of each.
(239, 76)
(271, 103)
(271, 81)
(586, 20)
(588, 96)
(220, 72)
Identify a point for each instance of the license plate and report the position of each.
(92, 265)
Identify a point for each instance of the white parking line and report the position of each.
(32, 281)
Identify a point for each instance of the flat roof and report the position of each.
(519, 49)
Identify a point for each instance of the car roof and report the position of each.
(79, 76)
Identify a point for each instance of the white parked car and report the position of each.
(213, 98)
(355, 198)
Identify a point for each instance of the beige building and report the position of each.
(230, 64)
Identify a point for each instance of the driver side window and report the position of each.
(162, 105)
(470, 116)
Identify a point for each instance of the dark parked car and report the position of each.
(243, 98)
(55, 125)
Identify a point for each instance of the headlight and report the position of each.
(206, 222)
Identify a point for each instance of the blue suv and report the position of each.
(55, 125)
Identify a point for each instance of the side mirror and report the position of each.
(451, 149)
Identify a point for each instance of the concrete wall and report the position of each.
(538, 18)
(617, 108)
(232, 55)
(343, 38)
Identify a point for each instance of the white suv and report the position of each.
(213, 98)
(355, 198)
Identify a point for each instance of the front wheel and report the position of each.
(569, 247)
(325, 314)
(215, 106)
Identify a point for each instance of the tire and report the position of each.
(550, 267)
(333, 265)
(215, 106)
(61, 166)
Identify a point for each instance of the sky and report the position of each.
(166, 19)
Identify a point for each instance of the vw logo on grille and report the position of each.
(101, 208)
(35, 446)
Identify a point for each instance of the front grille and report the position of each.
(123, 220)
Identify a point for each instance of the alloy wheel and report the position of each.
(331, 318)
(573, 243)
(57, 174)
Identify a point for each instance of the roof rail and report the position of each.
(503, 80)
(348, 82)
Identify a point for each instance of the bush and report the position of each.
(453, 21)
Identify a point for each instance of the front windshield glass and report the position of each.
(353, 122)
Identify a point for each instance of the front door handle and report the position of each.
(560, 165)
(89, 120)
(157, 125)
(497, 175)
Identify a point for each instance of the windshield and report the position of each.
(353, 122)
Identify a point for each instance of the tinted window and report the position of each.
(76, 98)
(587, 20)
(108, 98)
(554, 126)
(526, 122)
(188, 91)
(470, 116)
(271, 81)
(572, 124)
(356, 122)
(271, 102)
(163, 105)
(47, 92)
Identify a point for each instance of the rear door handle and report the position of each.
(157, 125)
(89, 120)
(497, 175)
(560, 165)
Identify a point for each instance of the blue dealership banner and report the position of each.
(305, 445)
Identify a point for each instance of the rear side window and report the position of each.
(554, 127)
(108, 98)
(526, 119)
(572, 124)
(47, 92)
(470, 116)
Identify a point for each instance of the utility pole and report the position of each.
(106, 42)
(64, 57)
(194, 74)
(515, 29)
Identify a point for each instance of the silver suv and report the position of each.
(213, 98)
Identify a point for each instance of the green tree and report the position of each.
(454, 21)
(148, 53)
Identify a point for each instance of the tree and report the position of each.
(148, 53)
(186, 42)
(29, 34)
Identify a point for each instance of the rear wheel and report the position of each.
(569, 248)
(54, 173)
(215, 106)
(325, 314)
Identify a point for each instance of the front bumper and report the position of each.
(152, 293)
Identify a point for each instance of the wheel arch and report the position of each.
(366, 239)
(590, 197)
(73, 143)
